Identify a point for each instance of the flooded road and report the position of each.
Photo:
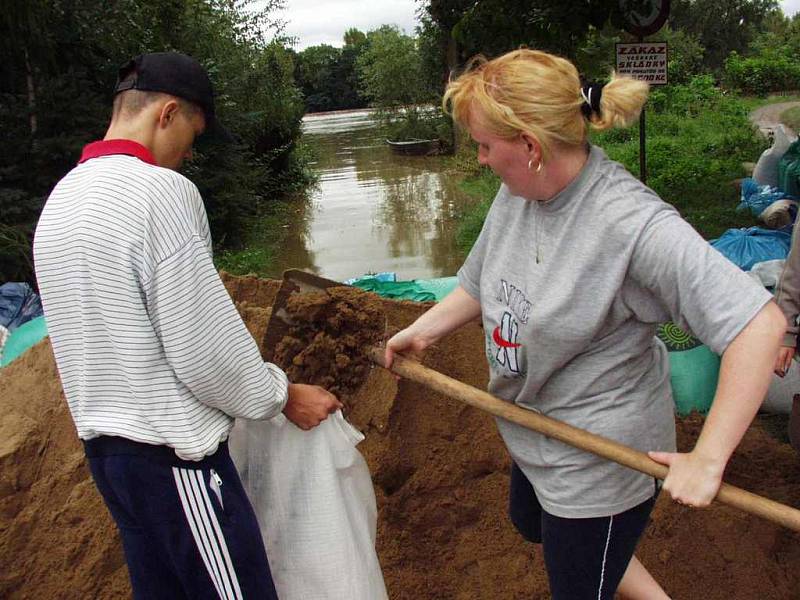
(373, 210)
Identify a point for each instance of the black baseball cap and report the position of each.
(175, 74)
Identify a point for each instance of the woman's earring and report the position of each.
(538, 167)
(530, 164)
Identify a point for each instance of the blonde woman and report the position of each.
(576, 264)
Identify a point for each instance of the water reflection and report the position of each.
(373, 210)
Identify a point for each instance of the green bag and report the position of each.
(418, 290)
(694, 370)
(23, 337)
(789, 171)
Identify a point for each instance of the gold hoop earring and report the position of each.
(530, 164)
(539, 167)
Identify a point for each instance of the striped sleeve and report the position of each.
(205, 340)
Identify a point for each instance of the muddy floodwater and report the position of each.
(372, 210)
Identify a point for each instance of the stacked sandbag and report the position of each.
(766, 169)
(694, 369)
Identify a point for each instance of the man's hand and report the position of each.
(309, 405)
(784, 361)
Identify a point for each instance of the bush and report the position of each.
(60, 60)
(697, 139)
(760, 75)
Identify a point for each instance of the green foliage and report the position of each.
(392, 76)
(684, 56)
(721, 26)
(492, 27)
(327, 75)
(595, 57)
(697, 139)
(60, 59)
(390, 70)
(759, 75)
(261, 248)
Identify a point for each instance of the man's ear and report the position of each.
(169, 110)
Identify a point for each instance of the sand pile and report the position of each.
(440, 474)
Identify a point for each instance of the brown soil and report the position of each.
(440, 473)
(325, 344)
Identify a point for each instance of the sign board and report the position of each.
(645, 61)
(643, 17)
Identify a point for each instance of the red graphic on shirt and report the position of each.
(498, 339)
(505, 336)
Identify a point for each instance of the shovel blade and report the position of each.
(294, 281)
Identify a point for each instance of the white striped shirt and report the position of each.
(149, 345)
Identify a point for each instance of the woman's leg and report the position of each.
(638, 584)
(587, 558)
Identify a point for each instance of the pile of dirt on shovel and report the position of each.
(440, 474)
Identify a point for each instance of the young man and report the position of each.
(154, 359)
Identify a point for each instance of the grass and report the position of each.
(791, 118)
(261, 243)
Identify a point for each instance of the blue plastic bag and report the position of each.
(746, 247)
(756, 198)
(18, 304)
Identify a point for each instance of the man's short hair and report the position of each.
(132, 101)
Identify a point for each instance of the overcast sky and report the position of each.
(314, 22)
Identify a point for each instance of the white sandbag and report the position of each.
(782, 390)
(313, 496)
(768, 272)
(778, 214)
(766, 169)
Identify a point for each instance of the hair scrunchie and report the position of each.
(591, 94)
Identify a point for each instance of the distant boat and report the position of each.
(417, 147)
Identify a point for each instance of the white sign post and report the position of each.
(645, 61)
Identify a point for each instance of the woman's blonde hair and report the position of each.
(533, 92)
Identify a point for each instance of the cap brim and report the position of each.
(217, 132)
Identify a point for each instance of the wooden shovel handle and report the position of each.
(619, 453)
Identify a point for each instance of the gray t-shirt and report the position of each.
(571, 291)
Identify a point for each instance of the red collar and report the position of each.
(107, 147)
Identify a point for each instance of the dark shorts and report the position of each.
(585, 558)
(188, 529)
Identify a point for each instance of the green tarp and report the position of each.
(418, 290)
(22, 338)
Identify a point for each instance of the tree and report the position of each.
(391, 76)
(327, 75)
(390, 69)
(721, 26)
(315, 73)
(55, 96)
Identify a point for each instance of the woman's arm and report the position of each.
(745, 372)
(456, 309)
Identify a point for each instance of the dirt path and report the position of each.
(767, 118)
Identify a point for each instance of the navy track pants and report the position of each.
(188, 529)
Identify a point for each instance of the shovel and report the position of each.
(295, 281)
